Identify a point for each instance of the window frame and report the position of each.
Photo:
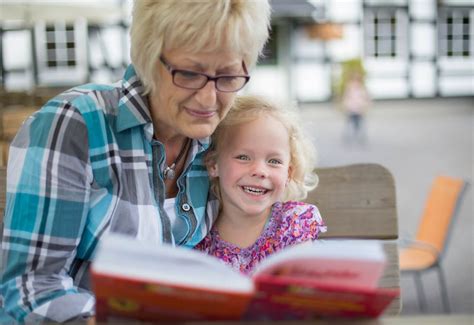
(395, 32)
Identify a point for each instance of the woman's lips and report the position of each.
(200, 113)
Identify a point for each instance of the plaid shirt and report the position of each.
(84, 165)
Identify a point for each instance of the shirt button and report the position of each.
(186, 207)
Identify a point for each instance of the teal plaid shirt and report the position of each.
(84, 165)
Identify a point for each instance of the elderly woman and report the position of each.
(126, 157)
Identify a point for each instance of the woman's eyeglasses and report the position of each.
(196, 80)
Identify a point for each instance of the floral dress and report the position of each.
(290, 223)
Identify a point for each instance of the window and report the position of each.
(60, 46)
(385, 32)
(453, 32)
(61, 52)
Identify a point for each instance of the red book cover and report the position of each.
(144, 300)
(287, 298)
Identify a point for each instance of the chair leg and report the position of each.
(420, 291)
(444, 291)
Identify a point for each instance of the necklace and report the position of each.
(169, 172)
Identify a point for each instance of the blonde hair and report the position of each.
(302, 178)
(196, 25)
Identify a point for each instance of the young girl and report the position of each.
(258, 162)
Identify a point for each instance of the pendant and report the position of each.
(168, 173)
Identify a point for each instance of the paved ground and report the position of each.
(415, 140)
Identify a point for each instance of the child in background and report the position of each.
(259, 162)
(355, 101)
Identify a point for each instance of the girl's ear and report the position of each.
(210, 161)
(213, 170)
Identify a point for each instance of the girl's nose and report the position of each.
(259, 170)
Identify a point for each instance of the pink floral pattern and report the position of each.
(290, 223)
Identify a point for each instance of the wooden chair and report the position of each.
(425, 252)
(359, 201)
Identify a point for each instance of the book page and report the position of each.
(355, 263)
(127, 257)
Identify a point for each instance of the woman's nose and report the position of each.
(207, 96)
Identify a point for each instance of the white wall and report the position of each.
(313, 81)
(309, 74)
(349, 46)
(423, 79)
(344, 10)
(17, 55)
(423, 36)
(423, 9)
(269, 81)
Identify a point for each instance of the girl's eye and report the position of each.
(275, 162)
(242, 157)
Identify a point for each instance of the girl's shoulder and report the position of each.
(298, 209)
(298, 221)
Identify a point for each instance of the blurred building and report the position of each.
(417, 48)
(62, 43)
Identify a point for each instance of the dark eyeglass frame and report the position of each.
(173, 72)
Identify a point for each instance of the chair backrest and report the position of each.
(359, 201)
(440, 208)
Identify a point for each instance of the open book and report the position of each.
(306, 281)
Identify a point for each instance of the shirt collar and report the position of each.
(133, 105)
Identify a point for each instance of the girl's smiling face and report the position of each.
(253, 166)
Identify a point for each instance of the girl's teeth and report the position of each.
(253, 190)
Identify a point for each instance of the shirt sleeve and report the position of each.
(48, 188)
(302, 222)
(315, 223)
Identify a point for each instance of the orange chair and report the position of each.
(426, 251)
